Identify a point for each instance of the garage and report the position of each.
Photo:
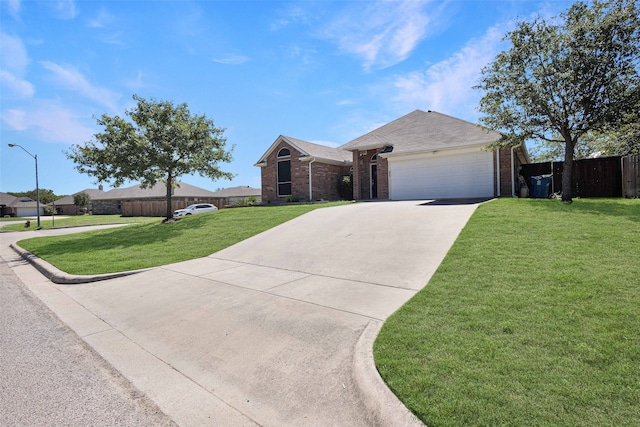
(441, 174)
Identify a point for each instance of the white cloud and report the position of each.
(15, 119)
(74, 80)
(14, 8)
(15, 85)
(52, 123)
(381, 33)
(14, 60)
(291, 14)
(65, 9)
(13, 55)
(447, 85)
(231, 59)
(103, 19)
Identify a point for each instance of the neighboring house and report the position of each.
(65, 205)
(138, 201)
(422, 155)
(19, 206)
(233, 195)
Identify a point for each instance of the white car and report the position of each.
(195, 209)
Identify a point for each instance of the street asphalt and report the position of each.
(274, 331)
(50, 377)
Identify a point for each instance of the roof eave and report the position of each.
(324, 160)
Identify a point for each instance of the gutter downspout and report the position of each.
(499, 192)
(311, 180)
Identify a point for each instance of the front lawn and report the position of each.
(73, 221)
(153, 243)
(532, 319)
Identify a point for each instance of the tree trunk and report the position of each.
(169, 213)
(567, 170)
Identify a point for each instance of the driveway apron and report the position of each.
(264, 332)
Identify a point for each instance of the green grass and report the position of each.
(74, 221)
(154, 243)
(532, 319)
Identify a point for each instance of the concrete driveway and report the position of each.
(274, 331)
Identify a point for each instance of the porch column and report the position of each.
(356, 175)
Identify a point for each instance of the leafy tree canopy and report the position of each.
(81, 199)
(159, 143)
(566, 77)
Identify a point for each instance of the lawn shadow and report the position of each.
(119, 238)
(623, 208)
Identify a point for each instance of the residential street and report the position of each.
(49, 376)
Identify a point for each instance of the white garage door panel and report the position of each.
(465, 175)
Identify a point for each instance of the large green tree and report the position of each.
(81, 200)
(160, 143)
(46, 196)
(565, 77)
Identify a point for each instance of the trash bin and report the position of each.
(540, 186)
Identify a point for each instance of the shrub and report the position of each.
(345, 187)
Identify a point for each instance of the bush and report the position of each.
(345, 187)
(292, 199)
(252, 200)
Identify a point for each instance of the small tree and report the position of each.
(565, 78)
(81, 200)
(161, 143)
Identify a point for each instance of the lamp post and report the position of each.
(37, 188)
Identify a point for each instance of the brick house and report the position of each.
(301, 169)
(422, 155)
(138, 201)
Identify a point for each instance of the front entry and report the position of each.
(374, 181)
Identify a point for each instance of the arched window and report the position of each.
(374, 158)
(284, 172)
(284, 153)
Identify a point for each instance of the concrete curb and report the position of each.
(383, 407)
(60, 277)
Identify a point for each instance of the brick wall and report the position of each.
(324, 179)
(506, 172)
(362, 185)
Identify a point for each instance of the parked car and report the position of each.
(195, 209)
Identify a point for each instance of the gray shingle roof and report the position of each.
(7, 199)
(94, 193)
(17, 202)
(310, 149)
(319, 151)
(241, 191)
(422, 131)
(157, 191)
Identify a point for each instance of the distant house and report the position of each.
(19, 206)
(233, 195)
(138, 201)
(65, 205)
(422, 155)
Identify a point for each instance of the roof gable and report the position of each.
(421, 131)
(309, 149)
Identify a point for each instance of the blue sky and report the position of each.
(321, 71)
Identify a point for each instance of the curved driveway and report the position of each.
(266, 332)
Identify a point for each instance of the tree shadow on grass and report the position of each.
(628, 209)
(125, 238)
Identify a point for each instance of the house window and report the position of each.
(284, 172)
(284, 153)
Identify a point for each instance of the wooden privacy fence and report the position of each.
(614, 176)
(631, 176)
(159, 207)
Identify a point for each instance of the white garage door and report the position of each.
(441, 176)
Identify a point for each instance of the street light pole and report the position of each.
(37, 187)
